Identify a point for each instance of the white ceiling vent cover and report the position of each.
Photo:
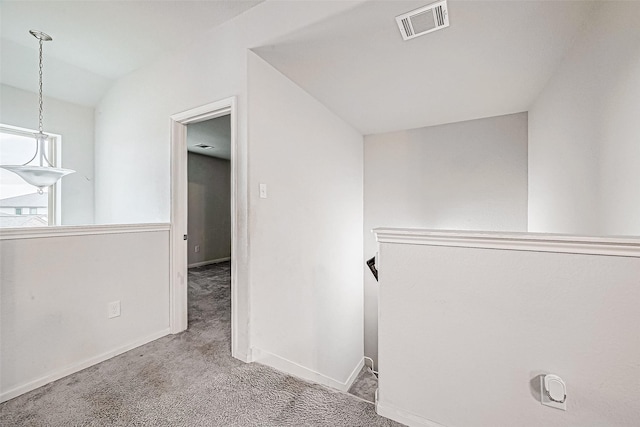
(423, 20)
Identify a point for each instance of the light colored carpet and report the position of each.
(188, 379)
(365, 385)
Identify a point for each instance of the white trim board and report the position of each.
(76, 367)
(292, 368)
(535, 242)
(403, 417)
(79, 230)
(212, 261)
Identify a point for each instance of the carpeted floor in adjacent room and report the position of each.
(188, 379)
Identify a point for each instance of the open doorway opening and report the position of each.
(209, 227)
(180, 242)
(209, 192)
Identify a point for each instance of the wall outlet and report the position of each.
(263, 191)
(553, 391)
(113, 309)
(196, 248)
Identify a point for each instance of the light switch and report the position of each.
(263, 191)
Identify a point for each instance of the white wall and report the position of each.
(132, 120)
(463, 176)
(133, 128)
(76, 125)
(53, 317)
(620, 143)
(584, 154)
(306, 251)
(464, 334)
(209, 208)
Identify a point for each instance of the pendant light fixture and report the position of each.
(44, 175)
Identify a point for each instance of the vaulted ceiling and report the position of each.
(494, 59)
(97, 42)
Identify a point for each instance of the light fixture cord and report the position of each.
(43, 154)
(40, 113)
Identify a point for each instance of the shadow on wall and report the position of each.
(534, 385)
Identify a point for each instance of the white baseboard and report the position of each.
(242, 356)
(354, 374)
(293, 368)
(32, 385)
(404, 417)
(212, 261)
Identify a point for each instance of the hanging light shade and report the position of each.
(44, 175)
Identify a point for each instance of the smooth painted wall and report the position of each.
(306, 249)
(133, 128)
(468, 175)
(209, 208)
(464, 334)
(584, 143)
(76, 125)
(132, 119)
(54, 296)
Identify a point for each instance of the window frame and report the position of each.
(54, 154)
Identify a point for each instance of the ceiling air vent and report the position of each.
(423, 20)
(204, 146)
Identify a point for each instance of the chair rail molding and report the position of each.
(514, 241)
(79, 230)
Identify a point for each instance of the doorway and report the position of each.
(178, 300)
(209, 192)
(209, 234)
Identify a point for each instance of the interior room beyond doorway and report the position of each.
(209, 191)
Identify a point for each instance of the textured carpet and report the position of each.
(365, 385)
(188, 379)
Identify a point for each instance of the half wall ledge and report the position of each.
(513, 241)
(79, 230)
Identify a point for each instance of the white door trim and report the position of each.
(179, 214)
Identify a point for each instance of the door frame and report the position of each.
(179, 215)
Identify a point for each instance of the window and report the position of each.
(20, 203)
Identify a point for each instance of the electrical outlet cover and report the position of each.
(546, 401)
(113, 309)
